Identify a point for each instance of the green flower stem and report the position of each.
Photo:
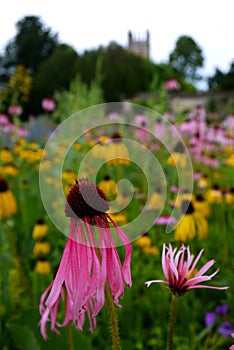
(25, 279)
(69, 336)
(113, 318)
(174, 302)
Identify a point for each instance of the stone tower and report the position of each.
(139, 46)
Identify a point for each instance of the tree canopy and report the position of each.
(187, 58)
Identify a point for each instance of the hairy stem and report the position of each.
(174, 302)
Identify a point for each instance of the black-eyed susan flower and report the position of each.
(203, 182)
(8, 170)
(214, 195)
(40, 229)
(41, 248)
(8, 205)
(178, 157)
(229, 197)
(192, 222)
(230, 161)
(42, 267)
(156, 200)
(201, 205)
(6, 155)
(184, 195)
(146, 245)
(108, 186)
(117, 151)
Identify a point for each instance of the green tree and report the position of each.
(222, 81)
(32, 44)
(187, 58)
(55, 73)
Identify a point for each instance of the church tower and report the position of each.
(139, 46)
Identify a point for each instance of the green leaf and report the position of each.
(23, 337)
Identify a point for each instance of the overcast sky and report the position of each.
(91, 23)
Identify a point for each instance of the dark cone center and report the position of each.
(85, 200)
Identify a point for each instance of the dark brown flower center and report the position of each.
(3, 185)
(85, 200)
(187, 207)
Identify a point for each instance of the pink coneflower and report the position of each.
(179, 270)
(172, 84)
(166, 220)
(4, 120)
(15, 110)
(22, 132)
(90, 262)
(48, 104)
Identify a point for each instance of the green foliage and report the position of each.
(186, 58)
(31, 45)
(78, 97)
(222, 81)
(54, 74)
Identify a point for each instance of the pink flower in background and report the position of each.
(172, 84)
(15, 110)
(141, 120)
(4, 120)
(114, 116)
(212, 162)
(22, 132)
(90, 261)
(232, 346)
(159, 130)
(197, 175)
(179, 268)
(174, 189)
(165, 220)
(48, 104)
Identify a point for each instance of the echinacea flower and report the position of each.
(48, 104)
(179, 270)
(90, 261)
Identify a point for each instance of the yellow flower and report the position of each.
(41, 248)
(42, 267)
(229, 198)
(185, 229)
(108, 186)
(99, 151)
(120, 218)
(201, 224)
(183, 196)
(177, 159)
(190, 223)
(8, 170)
(201, 205)
(77, 146)
(214, 195)
(8, 205)
(5, 156)
(69, 176)
(152, 250)
(117, 151)
(230, 160)
(203, 182)
(144, 241)
(40, 229)
(156, 201)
